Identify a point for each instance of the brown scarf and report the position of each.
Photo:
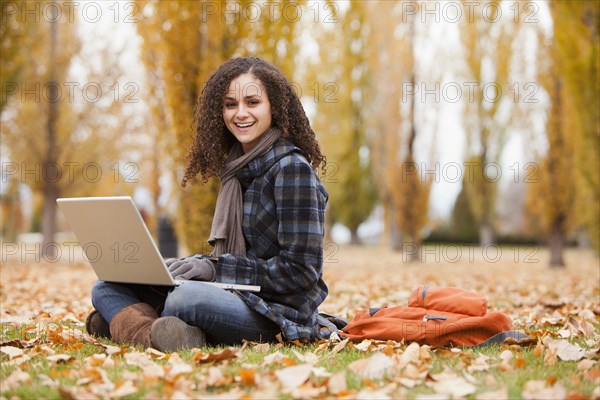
(226, 233)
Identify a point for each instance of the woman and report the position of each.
(267, 230)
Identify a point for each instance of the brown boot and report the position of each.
(139, 323)
(97, 326)
(133, 323)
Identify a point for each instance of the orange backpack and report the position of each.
(445, 316)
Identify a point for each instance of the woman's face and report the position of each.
(247, 110)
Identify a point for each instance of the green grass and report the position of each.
(65, 374)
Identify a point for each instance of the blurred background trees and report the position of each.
(393, 89)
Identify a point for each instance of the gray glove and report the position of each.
(192, 268)
(170, 261)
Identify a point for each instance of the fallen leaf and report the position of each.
(215, 377)
(536, 389)
(21, 344)
(519, 362)
(59, 358)
(278, 358)
(495, 395)
(15, 379)
(337, 383)
(262, 347)
(112, 350)
(584, 365)
(454, 386)
(76, 393)
(247, 377)
(124, 389)
(225, 354)
(411, 355)
(364, 345)
(339, 347)
(292, 377)
(565, 350)
(374, 367)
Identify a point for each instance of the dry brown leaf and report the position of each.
(584, 365)
(262, 347)
(519, 362)
(21, 344)
(123, 389)
(247, 377)
(411, 354)
(215, 377)
(454, 386)
(374, 367)
(59, 358)
(76, 393)
(479, 364)
(113, 350)
(339, 347)
(223, 355)
(364, 345)
(337, 383)
(15, 379)
(535, 389)
(278, 358)
(565, 350)
(593, 374)
(495, 395)
(16, 356)
(539, 349)
(308, 357)
(156, 354)
(292, 377)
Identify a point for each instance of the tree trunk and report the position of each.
(49, 221)
(486, 234)
(51, 186)
(354, 239)
(395, 236)
(557, 243)
(415, 253)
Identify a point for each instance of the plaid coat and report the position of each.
(283, 224)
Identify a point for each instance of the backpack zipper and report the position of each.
(430, 317)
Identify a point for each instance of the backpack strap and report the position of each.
(499, 338)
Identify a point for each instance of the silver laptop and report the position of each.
(117, 243)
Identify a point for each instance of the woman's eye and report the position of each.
(229, 105)
(253, 102)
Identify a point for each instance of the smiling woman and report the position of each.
(267, 231)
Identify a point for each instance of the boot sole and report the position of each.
(169, 334)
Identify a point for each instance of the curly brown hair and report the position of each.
(213, 140)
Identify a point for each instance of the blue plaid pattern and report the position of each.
(283, 224)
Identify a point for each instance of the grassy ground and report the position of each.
(45, 353)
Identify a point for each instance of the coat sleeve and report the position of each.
(300, 209)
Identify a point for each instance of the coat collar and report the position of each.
(257, 167)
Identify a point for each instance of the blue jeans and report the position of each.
(223, 316)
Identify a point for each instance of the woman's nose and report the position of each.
(242, 111)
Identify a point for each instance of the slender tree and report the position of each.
(567, 192)
(337, 83)
(487, 42)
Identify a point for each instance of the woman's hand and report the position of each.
(191, 268)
